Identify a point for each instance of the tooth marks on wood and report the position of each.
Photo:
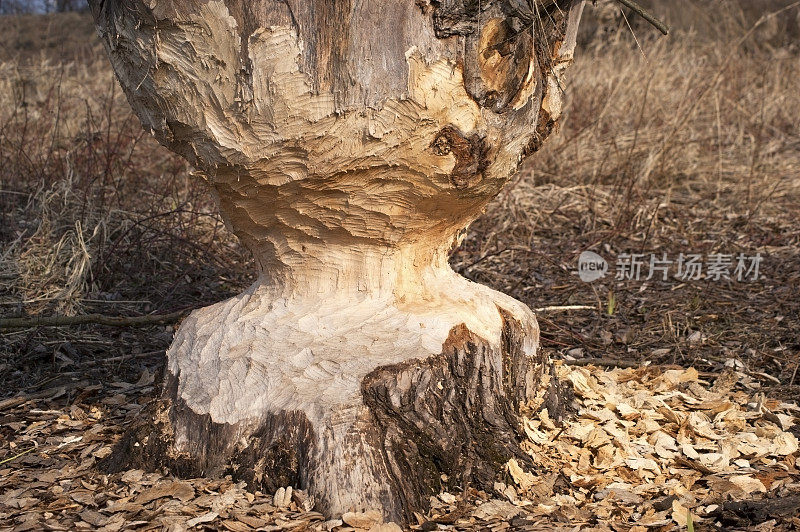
(278, 123)
(471, 154)
(454, 413)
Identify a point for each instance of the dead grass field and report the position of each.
(682, 145)
(687, 144)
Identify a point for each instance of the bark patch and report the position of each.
(471, 154)
(508, 45)
(277, 453)
(454, 414)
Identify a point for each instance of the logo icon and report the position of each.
(591, 267)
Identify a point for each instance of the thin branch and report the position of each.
(98, 319)
(563, 308)
(23, 453)
(12, 402)
(607, 362)
(121, 358)
(645, 14)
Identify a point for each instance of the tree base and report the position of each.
(361, 425)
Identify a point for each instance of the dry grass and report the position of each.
(66, 37)
(684, 144)
(97, 217)
(688, 144)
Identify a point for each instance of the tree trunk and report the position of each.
(348, 144)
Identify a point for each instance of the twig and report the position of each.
(625, 364)
(649, 17)
(23, 453)
(765, 376)
(121, 358)
(563, 309)
(12, 402)
(99, 319)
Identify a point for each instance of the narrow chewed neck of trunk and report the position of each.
(342, 285)
(407, 272)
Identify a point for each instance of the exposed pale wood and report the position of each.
(348, 144)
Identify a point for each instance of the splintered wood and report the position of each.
(647, 449)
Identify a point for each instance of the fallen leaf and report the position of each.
(784, 444)
(386, 527)
(177, 489)
(132, 476)
(747, 484)
(522, 478)
(680, 514)
(205, 518)
(363, 519)
(496, 509)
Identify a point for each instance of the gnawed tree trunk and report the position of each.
(348, 143)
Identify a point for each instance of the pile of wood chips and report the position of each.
(651, 448)
(646, 449)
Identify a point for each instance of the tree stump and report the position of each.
(348, 145)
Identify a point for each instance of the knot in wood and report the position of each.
(471, 154)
